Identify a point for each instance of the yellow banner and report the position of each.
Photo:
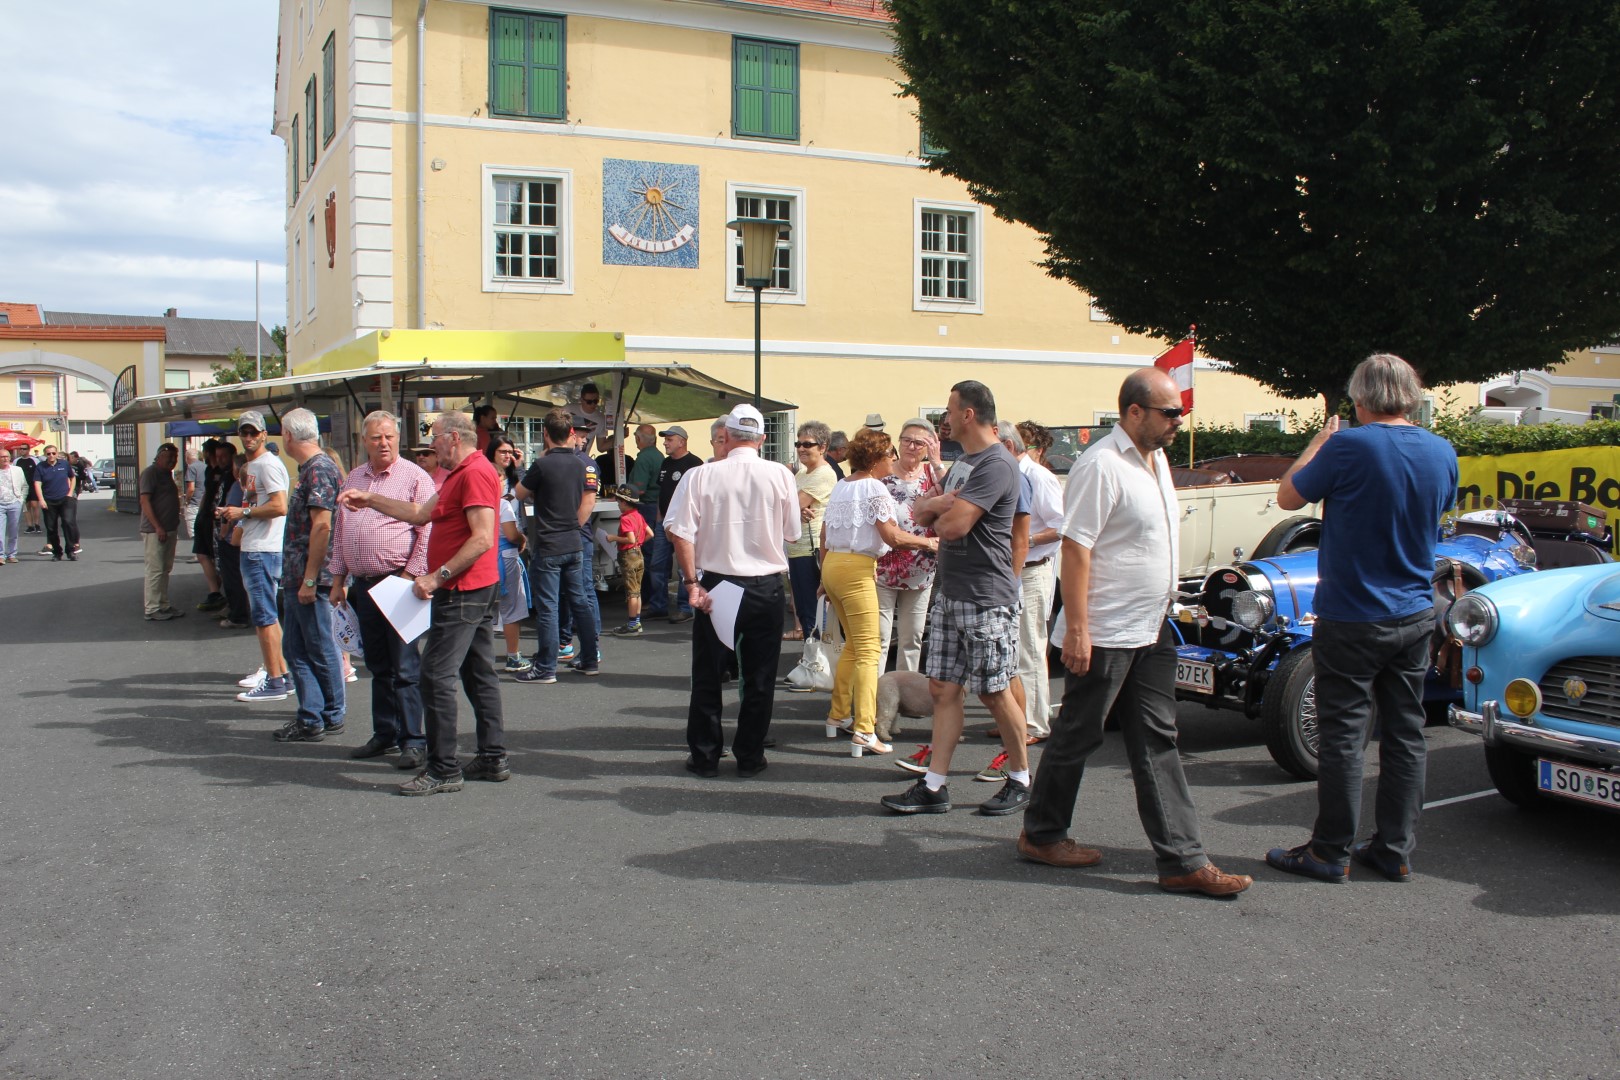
(1589, 474)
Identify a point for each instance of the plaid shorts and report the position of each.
(974, 647)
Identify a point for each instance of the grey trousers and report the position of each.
(1367, 670)
(1137, 686)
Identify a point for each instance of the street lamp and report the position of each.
(759, 237)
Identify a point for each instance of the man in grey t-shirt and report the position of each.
(973, 624)
(160, 519)
(196, 481)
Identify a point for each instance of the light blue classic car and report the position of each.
(1541, 682)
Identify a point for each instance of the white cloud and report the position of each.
(143, 174)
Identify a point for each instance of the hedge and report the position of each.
(1470, 439)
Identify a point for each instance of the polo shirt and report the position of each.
(54, 480)
(558, 479)
(472, 483)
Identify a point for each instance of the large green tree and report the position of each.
(1308, 182)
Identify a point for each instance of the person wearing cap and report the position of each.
(263, 518)
(733, 518)
(562, 485)
(678, 461)
(633, 532)
(463, 585)
(160, 525)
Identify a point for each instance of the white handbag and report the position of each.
(814, 671)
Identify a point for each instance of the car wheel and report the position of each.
(1514, 774)
(1288, 714)
(1289, 536)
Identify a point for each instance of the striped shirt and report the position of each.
(369, 544)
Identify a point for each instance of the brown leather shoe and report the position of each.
(1065, 853)
(1209, 880)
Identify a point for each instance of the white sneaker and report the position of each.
(253, 680)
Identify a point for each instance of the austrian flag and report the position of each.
(1177, 362)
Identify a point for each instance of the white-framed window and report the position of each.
(528, 230)
(88, 427)
(784, 204)
(1265, 422)
(311, 246)
(88, 386)
(1604, 410)
(1104, 418)
(1098, 314)
(25, 391)
(949, 265)
(296, 291)
(780, 428)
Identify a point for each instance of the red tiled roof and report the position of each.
(83, 333)
(21, 314)
(872, 10)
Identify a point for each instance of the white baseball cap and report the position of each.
(746, 419)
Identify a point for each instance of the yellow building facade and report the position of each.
(573, 165)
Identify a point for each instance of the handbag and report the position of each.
(814, 671)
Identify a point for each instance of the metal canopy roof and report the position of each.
(654, 393)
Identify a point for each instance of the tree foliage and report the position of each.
(240, 367)
(1307, 182)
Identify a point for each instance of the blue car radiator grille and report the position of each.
(1583, 688)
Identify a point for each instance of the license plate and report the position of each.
(1574, 782)
(1195, 676)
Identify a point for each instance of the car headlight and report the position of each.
(1472, 619)
(1252, 610)
(1522, 697)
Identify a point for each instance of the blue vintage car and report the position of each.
(1244, 637)
(1541, 683)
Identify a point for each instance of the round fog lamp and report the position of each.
(1472, 620)
(1252, 610)
(1522, 697)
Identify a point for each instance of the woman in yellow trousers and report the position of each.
(859, 526)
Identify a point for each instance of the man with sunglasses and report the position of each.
(56, 489)
(1120, 536)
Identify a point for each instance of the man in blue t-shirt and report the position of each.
(1383, 485)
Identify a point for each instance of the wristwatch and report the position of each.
(444, 573)
(309, 583)
(247, 511)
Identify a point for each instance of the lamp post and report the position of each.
(759, 237)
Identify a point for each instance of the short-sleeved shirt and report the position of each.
(233, 497)
(262, 478)
(593, 484)
(197, 476)
(906, 568)
(1383, 488)
(28, 465)
(472, 483)
(853, 514)
(670, 471)
(558, 480)
(738, 513)
(55, 481)
(318, 485)
(818, 483)
(631, 523)
(644, 476)
(977, 568)
(158, 484)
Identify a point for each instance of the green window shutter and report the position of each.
(312, 135)
(527, 66)
(328, 97)
(295, 176)
(765, 90)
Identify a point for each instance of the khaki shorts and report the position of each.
(630, 566)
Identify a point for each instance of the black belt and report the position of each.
(379, 577)
(767, 579)
(1038, 562)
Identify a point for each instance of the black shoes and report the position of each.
(428, 784)
(294, 731)
(373, 747)
(697, 768)
(411, 757)
(752, 768)
(1012, 798)
(487, 767)
(917, 799)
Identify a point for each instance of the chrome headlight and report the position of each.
(1252, 610)
(1472, 620)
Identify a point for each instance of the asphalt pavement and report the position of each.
(186, 898)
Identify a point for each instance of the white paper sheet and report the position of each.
(397, 600)
(727, 597)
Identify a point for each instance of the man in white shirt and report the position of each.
(1120, 532)
(262, 518)
(732, 517)
(1045, 521)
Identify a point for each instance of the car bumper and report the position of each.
(1496, 731)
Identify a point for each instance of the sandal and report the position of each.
(793, 635)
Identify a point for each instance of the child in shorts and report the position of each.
(633, 532)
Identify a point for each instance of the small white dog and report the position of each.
(901, 693)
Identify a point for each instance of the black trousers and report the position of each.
(230, 575)
(62, 516)
(461, 641)
(396, 671)
(758, 648)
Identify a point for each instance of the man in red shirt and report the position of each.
(463, 583)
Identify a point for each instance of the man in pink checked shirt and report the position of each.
(366, 548)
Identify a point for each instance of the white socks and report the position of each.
(934, 780)
(1021, 775)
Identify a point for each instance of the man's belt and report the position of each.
(1037, 562)
(378, 577)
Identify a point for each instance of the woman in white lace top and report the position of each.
(859, 525)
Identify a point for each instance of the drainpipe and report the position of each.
(421, 165)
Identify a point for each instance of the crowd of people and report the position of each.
(41, 495)
(941, 540)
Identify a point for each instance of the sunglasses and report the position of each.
(589, 400)
(1170, 413)
(807, 445)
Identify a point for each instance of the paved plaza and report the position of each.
(186, 898)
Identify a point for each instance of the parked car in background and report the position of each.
(1541, 683)
(106, 475)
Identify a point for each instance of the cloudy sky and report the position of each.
(139, 169)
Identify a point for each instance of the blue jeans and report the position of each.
(396, 672)
(658, 566)
(261, 573)
(804, 574)
(557, 578)
(587, 574)
(311, 652)
(10, 526)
